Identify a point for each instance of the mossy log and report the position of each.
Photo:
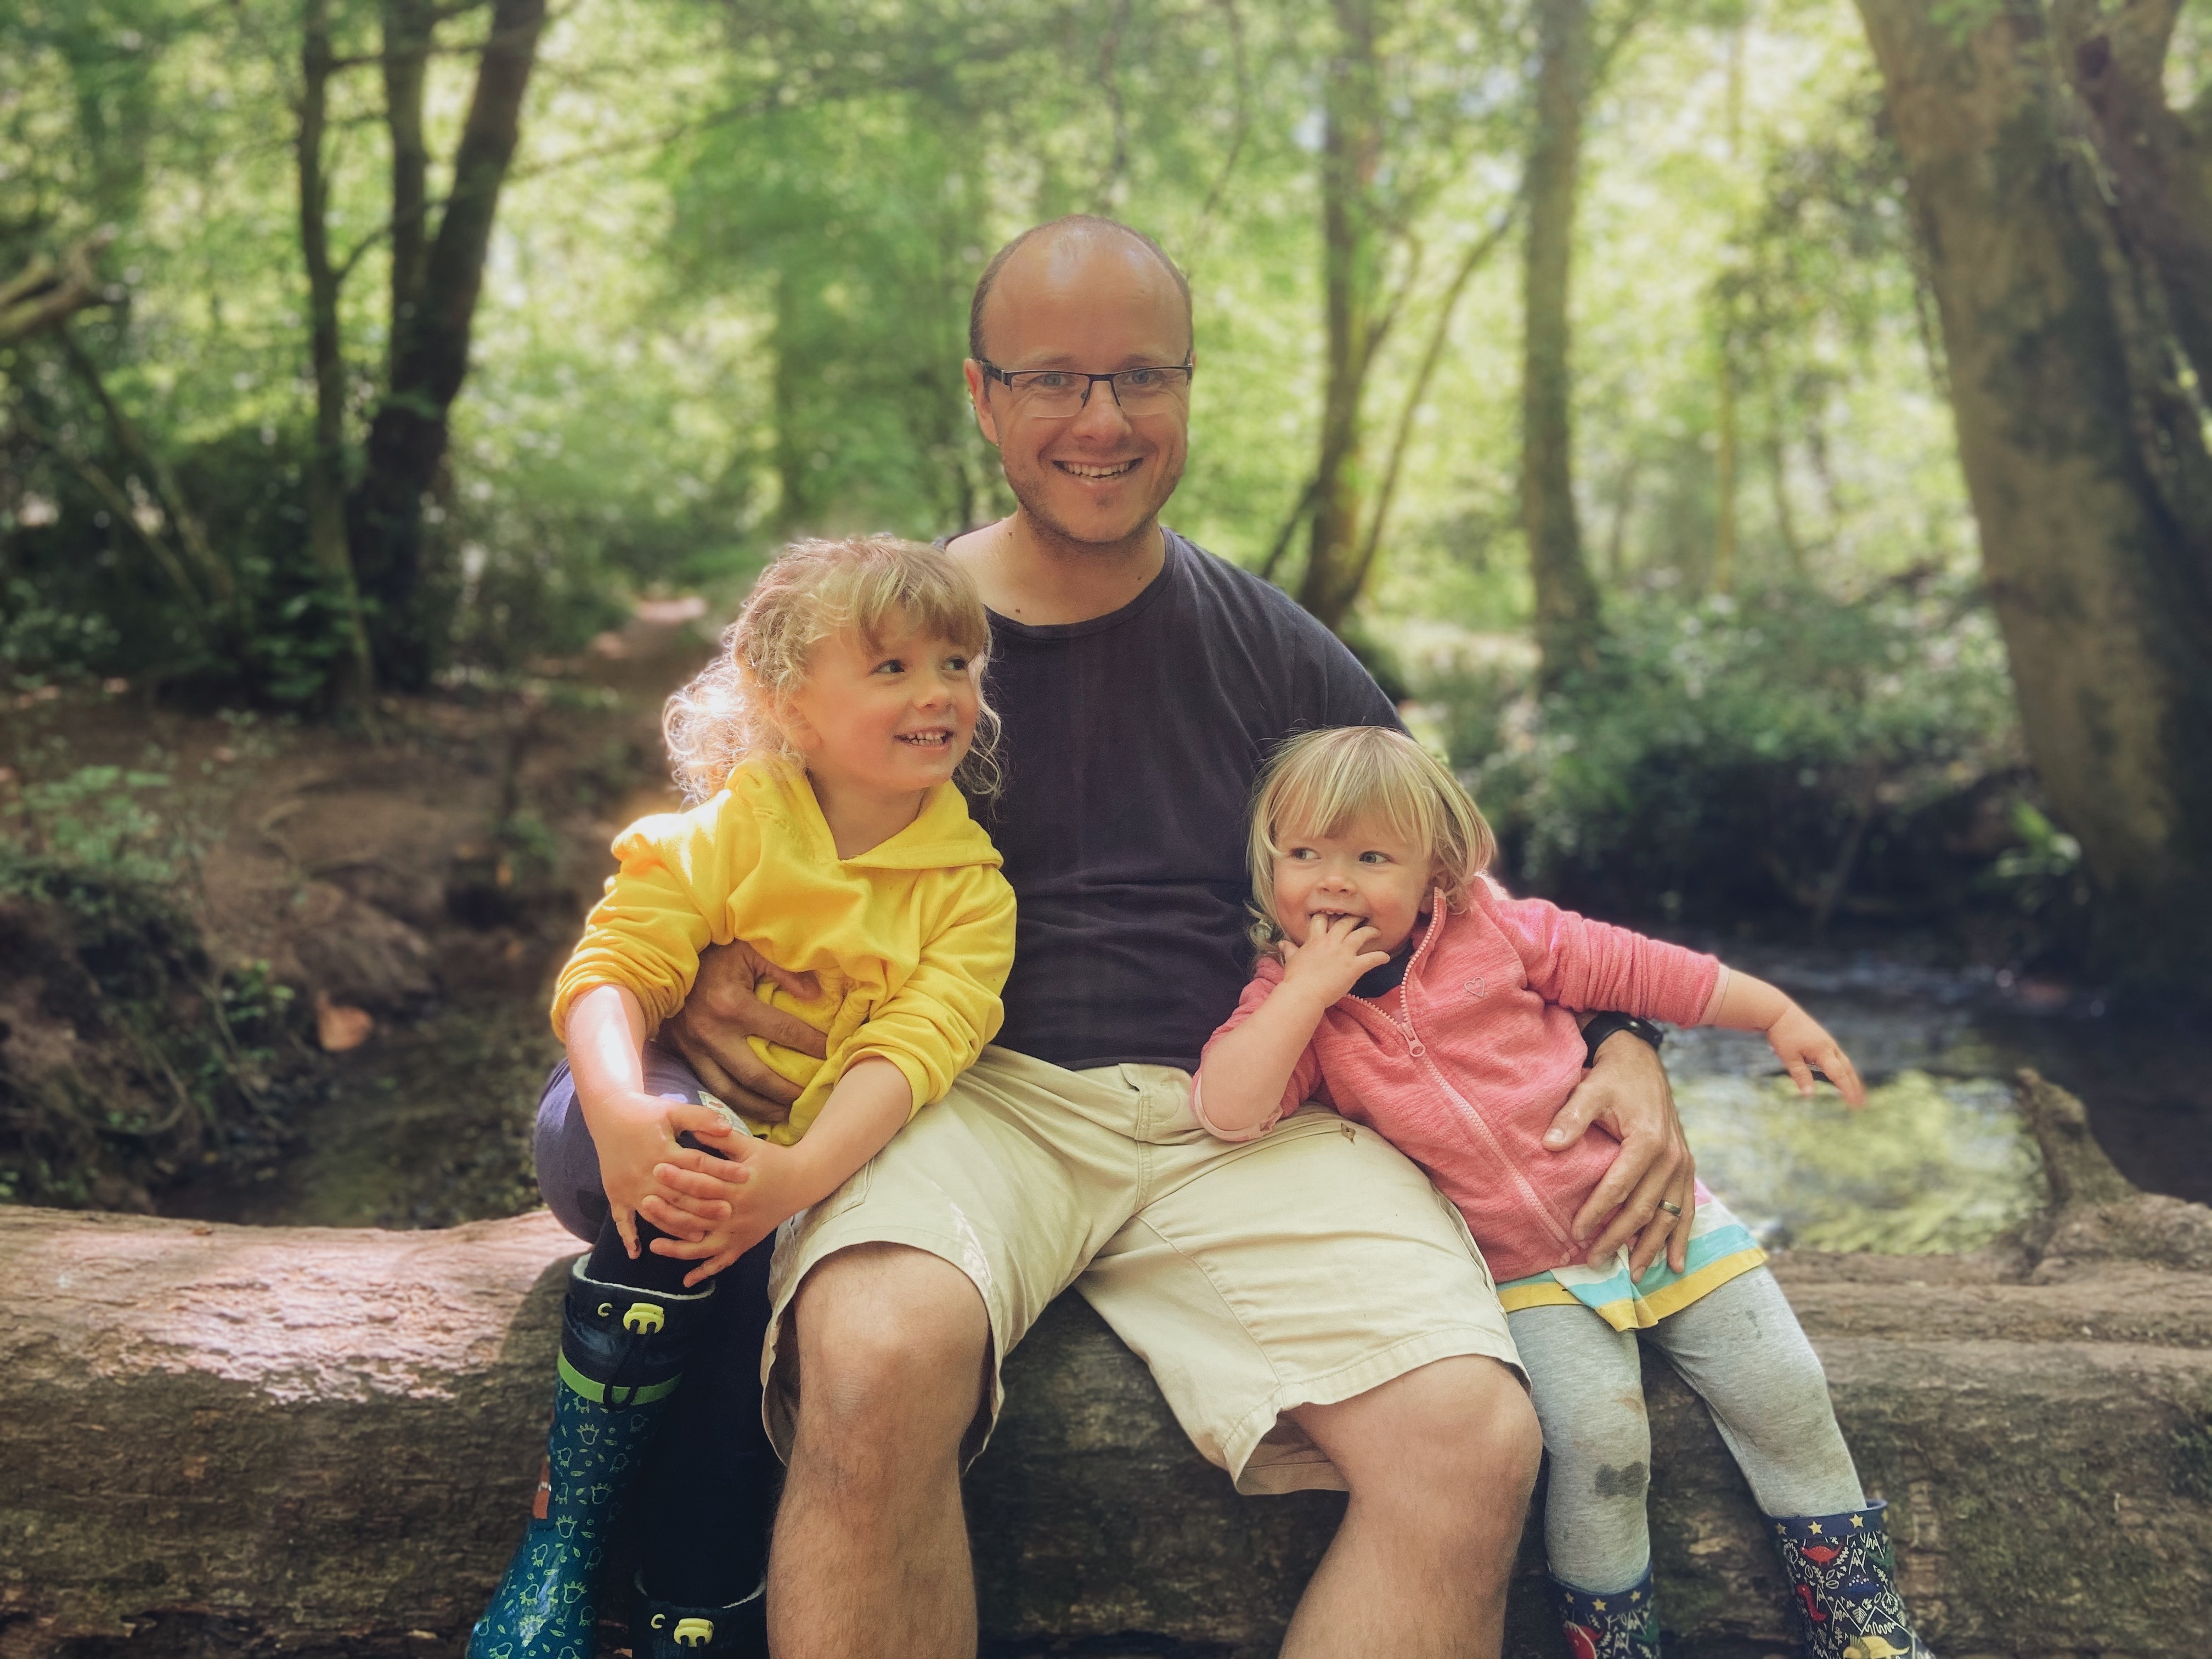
(229, 1439)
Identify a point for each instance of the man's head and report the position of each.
(1088, 295)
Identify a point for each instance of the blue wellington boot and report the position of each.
(1843, 1586)
(622, 1355)
(662, 1629)
(1622, 1626)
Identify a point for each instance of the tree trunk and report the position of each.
(2082, 454)
(430, 354)
(408, 28)
(326, 531)
(1353, 248)
(1568, 622)
(321, 1442)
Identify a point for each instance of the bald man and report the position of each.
(1314, 1313)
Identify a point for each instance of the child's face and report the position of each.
(1368, 870)
(894, 715)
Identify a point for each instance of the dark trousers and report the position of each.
(707, 1495)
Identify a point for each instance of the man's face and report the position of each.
(1100, 305)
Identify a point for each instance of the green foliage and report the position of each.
(91, 838)
(1726, 753)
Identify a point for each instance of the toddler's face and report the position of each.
(1368, 870)
(893, 715)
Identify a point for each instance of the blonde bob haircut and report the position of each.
(874, 585)
(1321, 783)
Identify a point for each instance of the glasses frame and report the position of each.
(1188, 368)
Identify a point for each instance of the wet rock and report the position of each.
(356, 955)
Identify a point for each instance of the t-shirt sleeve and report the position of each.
(1342, 690)
(648, 930)
(1305, 1075)
(933, 1026)
(1583, 964)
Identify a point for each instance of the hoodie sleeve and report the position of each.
(932, 1027)
(1306, 1082)
(648, 930)
(1583, 964)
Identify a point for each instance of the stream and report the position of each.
(429, 1126)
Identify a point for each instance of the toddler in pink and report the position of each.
(1398, 984)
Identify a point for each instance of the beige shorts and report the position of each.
(1301, 1268)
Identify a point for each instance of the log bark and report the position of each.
(322, 1442)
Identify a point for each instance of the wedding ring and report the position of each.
(1671, 1209)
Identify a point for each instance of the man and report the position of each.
(1314, 1313)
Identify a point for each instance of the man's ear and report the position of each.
(979, 399)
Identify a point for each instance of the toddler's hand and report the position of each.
(636, 1133)
(751, 1188)
(1801, 1043)
(1333, 958)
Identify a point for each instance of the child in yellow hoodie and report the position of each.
(837, 842)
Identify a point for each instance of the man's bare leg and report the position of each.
(1441, 1462)
(870, 1553)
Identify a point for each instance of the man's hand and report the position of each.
(1626, 1092)
(709, 1030)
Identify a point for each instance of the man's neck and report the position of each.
(1028, 573)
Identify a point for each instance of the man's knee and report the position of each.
(1451, 1422)
(890, 1339)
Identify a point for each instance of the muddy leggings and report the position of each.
(1740, 1348)
(707, 1494)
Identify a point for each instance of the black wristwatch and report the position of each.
(1604, 1025)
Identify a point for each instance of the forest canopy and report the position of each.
(1623, 378)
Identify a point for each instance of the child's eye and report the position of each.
(1374, 858)
(957, 665)
(891, 666)
(1301, 852)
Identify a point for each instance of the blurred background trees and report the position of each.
(1764, 439)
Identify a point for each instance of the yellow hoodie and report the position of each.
(911, 939)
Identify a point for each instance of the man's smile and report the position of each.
(1099, 469)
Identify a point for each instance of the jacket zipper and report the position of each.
(1420, 1051)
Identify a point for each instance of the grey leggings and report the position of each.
(1740, 1348)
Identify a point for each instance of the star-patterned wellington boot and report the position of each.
(1843, 1586)
(622, 1355)
(662, 1630)
(1622, 1626)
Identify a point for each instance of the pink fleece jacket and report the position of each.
(1463, 1066)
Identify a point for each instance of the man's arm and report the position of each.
(709, 1030)
(1627, 1091)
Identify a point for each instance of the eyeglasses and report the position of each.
(1056, 393)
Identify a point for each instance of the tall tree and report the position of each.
(430, 329)
(1354, 246)
(2062, 207)
(1568, 621)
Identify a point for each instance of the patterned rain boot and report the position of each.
(1622, 1626)
(622, 1355)
(662, 1630)
(1843, 1586)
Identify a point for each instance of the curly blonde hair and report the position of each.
(869, 584)
(1323, 782)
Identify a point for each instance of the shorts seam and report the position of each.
(1447, 1342)
(1229, 1307)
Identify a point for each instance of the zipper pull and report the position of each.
(1413, 1046)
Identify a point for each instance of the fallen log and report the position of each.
(321, 1442)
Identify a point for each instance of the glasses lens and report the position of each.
(1050, 391)
(1143, 389)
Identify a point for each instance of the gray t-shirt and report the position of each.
(1131, 744)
